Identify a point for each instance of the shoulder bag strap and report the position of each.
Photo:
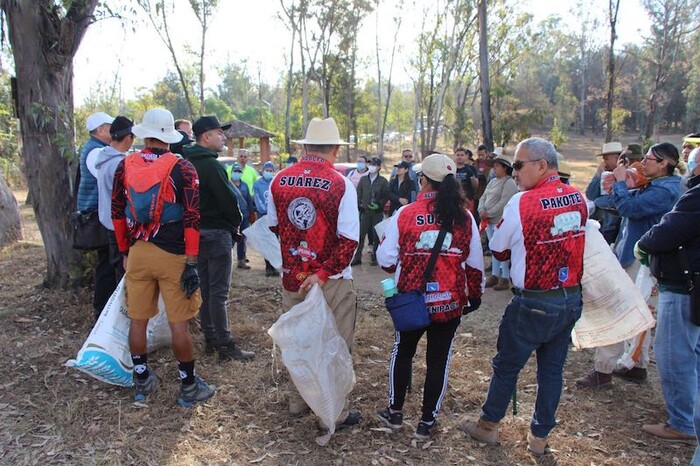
(434, 255)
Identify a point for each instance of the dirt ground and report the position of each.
(51, 414)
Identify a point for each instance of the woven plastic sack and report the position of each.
(262, 239)
(105, 354)
(316, 357)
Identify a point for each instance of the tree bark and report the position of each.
(613, 8)
(43, 45)
(10, 220)
(486, 120)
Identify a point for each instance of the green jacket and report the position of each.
(218, 207)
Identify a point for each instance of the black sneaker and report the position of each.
(389, 419)
(352, 419)
(231, 350)
(146, 386)
(209, 347)
(424, 429)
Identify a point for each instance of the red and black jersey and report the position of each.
(407, 245)
(179, 237)
(314, 210)
(542, 232)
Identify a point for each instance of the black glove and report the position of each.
(473, 305)
(236, 235)
(189, 281)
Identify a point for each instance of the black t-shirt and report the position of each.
(465, 175)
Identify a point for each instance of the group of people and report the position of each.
(173, 221)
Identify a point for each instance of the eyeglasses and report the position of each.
(651, 158)
(519, 164)
(408, 156)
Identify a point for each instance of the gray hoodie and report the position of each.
(103, 163)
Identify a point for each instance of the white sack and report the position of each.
(105, 354)
(614, 309)
(262, 239)
(316, 356)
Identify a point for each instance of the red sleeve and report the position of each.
(121, 230)
(337, 262)
(474, 279)
(190, 202)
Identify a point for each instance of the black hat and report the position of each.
(292, 159)
(121, 126)
(403, 164)
(185, 138)
(207, 123)
(375, 161)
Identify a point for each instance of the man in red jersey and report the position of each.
(314, 210)
(543, 234)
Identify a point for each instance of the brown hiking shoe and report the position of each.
(595, 379)
(481, 431)
(668, 434)
(491, 281)
(503, 284)
(537, 445)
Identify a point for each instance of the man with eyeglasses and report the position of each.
(640, 210)
(543, 234)
(407, 156)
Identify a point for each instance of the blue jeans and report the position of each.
(240, 246)
(543, 325)
(214, 268)
(696, 418)
(499, 269)
(677, 349)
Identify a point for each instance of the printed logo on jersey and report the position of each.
(569, 221)
(563, 274)
(303, 252)
(302, 213)
(428, 238)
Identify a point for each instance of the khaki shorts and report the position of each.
(151, 270)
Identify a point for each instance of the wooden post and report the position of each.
(264, 149)
(229, 146)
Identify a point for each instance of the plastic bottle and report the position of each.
(389, 287)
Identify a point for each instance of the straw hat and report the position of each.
(611, 148)
(322, 133)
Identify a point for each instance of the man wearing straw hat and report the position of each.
(314, 210)
(609, 221)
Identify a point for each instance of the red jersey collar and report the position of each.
(426, 195)
(316, 159)
(551, 178)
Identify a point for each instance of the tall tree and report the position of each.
(669, 32)
(204, 10)
(158, 12)
(613, 9)
(45, 37)
(486, 120)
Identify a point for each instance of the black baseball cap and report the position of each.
(403, 164)
(207, 123)
(121, 126)
(375, 161)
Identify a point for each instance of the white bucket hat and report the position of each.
(611, 148)
(322, 133)
(436, 167)
(158, 123)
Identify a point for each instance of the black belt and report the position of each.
(546, 293)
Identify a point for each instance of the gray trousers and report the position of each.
(214, 268)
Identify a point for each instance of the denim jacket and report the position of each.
(640, 210)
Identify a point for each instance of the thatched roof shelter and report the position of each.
(240, 130)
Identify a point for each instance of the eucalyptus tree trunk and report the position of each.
(44, 43)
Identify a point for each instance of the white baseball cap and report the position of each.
(98, 119)
(436, 167)
(158, 123)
